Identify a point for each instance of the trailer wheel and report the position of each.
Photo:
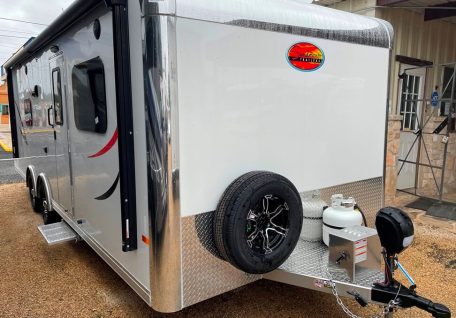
(258, 221)
(35, 201)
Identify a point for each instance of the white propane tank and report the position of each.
(312, 223)
(339, 215)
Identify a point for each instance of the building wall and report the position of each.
(432, 41)
(4, 119)
(427, 40)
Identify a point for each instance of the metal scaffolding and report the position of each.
(423, 158)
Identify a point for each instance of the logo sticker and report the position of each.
(306, 57)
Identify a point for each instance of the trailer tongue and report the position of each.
(310, 266)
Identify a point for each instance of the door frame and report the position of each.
(409, 133)
(62, 134)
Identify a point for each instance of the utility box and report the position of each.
(355, 248)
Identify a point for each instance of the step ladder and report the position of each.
(57, 233)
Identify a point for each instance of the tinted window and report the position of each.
(89, 96)
(57, 92)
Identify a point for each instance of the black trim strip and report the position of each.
(124, 123)
(110, 191)
(313, 218)
(333, 227)
(12, 112)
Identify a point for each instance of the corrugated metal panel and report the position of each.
(430, 40)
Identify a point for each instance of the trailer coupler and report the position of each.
(405, 298)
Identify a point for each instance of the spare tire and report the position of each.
(258, 222)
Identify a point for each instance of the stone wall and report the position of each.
(436, 149)
(393, 139)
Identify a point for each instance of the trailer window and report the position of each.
(28, 116)
(89, 96)
(57, 92)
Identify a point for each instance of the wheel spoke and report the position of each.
(266, 247)
(278, 229)
(266, 203)
(252, 216)
(278, 210)
(252, 237)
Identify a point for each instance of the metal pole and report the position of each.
(450, 115)
(421, 128)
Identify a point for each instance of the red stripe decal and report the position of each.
(108, 146)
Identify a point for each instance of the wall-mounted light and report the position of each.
(54, 49)
(36, 91)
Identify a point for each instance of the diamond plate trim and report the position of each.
(204, 274)
(367, 193)
(311, 259)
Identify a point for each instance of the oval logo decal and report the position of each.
(306, 57)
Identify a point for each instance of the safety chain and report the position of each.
(392, 304)
(339, 300)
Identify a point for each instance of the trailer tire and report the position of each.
(258, 222)
(35, 201)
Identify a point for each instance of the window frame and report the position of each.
(80, 66)
(444, 106)
(59, 78)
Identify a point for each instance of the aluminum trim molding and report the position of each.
(160, 72)
(286, 16)
(370, 37)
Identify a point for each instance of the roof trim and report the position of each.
(64, 21)
(284, 16)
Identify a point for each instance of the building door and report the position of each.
(60, 119)
(411, 92)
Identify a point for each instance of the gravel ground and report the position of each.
(70, 280)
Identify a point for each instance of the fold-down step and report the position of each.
(56, 233)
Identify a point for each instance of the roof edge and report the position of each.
(65, 20)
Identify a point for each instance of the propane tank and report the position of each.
(312, 224)
(339, 215)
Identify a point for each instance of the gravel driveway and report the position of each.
(70, 280)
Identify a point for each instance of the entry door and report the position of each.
(411, 91)
(58, 86)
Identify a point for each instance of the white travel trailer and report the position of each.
(131, 119)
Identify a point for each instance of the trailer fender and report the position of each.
(43, 184)
(30, 178)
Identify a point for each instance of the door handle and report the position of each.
(49, 116)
